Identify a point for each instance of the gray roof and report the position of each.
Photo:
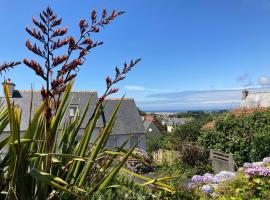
(128, 118)
(146, 124)
(177, 121)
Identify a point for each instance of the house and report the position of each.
(255, 99)
(174, 121)
(128, 122)
(152, 126)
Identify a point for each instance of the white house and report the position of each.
(255, 99)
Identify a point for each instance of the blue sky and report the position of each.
(195, 54)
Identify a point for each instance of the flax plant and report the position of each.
(46, 162)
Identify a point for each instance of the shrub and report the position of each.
(246, 136)
(196, 159)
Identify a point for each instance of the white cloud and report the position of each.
(264, 81)
(228, 98)
(134, 87)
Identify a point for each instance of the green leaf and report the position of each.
(55, 182)
(112, 174)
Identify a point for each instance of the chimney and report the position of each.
(244, 94)
(11, 86)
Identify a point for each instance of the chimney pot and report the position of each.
(11, 87)
(244, 94)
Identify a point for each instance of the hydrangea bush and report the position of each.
(140, 163)
(251, 181)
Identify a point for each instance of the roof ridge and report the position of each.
(117, 99)
(85, 91)
(259, 92)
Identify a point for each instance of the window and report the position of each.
(72, 110)
(134, 139)
(112, 142)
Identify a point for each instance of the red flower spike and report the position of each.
(93, 15)
(104, 13)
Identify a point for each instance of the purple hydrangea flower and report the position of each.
(247, 165)
(223, 176)
(207, 178)
(257, 171)
(266, 160)
(207, 189)
(197, 179)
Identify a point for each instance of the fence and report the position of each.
(221, 161)
(191, 146)
(163, 155)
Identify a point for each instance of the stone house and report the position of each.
(174, 121)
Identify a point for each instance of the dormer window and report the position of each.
(72, 110)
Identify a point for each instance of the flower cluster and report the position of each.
(266, 160)
(254, 164)
(214, 179)
(257, 168)
(208, 189)
(208, 182)
(140, 163)
(257, 171)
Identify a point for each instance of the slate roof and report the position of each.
(146, 124)
(177, 121)
(128, 119)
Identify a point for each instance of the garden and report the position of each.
(48, 162)
(243, 134)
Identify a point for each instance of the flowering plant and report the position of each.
(252, 180)
(140, 163)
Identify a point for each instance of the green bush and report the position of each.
(246, 136)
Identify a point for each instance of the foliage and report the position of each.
(197, 159)
(188, 132)
(123, 188)
(154, 142)
(246, 136)
(200, 115)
